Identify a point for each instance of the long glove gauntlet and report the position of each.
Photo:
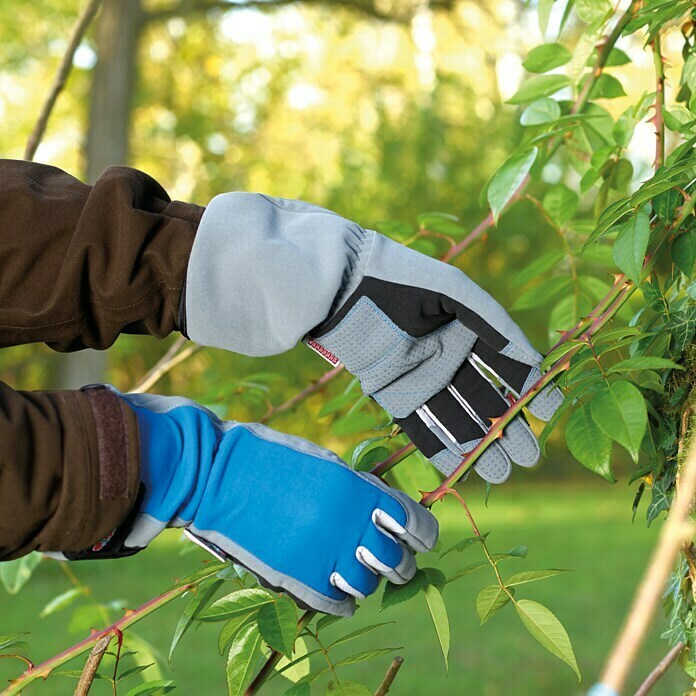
(422, 338)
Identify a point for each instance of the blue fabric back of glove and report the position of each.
(222, 480)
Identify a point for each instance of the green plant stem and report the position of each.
(43, 670)
(658, 118)
(603, 55)
(274, 658)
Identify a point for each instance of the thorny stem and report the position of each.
(43, 670)
(658, 118)
(482, 541)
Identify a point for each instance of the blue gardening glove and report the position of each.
(422, 338)
(293, 513)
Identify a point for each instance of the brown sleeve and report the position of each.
(69, 469)
(80, 264)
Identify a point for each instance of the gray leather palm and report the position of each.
(399, 371)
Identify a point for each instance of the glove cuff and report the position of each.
(265, 271)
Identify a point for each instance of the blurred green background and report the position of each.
(380, 110)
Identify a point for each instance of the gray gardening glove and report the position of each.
(422, 338)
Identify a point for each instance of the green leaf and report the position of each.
(359, 633)
(63, 600)
(546, 57)
(589, 444)
(298, 667)
(561, 203)
(278, 624)
(12, 640)
(682, 325)
(298, 690)
(347, 688)
(438, 613)
(519, 551)
(619, 411)
(544, 12)
(644, 362)
(548, 630)
(242, 659)
(356, 422)
(490, 600)
(209, 569)
(235, 604)
(364, 656)
(15, 574)
(232, 628)
(198, 602)
(153, 688)
(464, 544)
(466, 570)
(133, 671)
(361, 447)
(593, 10)
(397, 594)
(631, 244)
(372, 457)
(537, 87)
(508, 179)
(606, 87)
(541, 265)
(543, 293)
(665, 204)
(684, 252)
(556, 354)
(326, 621)
(336, 404)
(532, 576)
(544, 110)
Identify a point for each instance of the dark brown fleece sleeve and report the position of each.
(69, 469)
(78, 265)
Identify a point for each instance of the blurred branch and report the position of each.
(313, 388)
(389, 677)
(92, 665)
(165, 364)
(662, 666)
(61, 78)
(43, 670)
(402, 13)
(677, 529)
(658, 117)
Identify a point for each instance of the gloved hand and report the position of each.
(292, 513)
(419, 334)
